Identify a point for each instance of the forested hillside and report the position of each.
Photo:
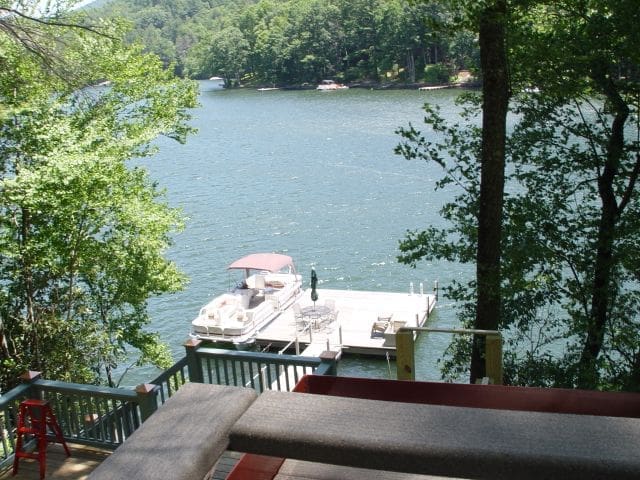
(291, 42)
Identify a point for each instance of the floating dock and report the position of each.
(353, 329)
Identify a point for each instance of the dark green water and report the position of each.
(311, 174)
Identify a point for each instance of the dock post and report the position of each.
(493, 358)
(435, 289)
(405, 355)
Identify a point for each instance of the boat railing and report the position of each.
(405, 350)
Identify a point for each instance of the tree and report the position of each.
(228, 55)
(570, 291)
(81, 234)
(490, 17)
(600, 39)
(495, 103)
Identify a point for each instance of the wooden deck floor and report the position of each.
(78, 466)
(84, 460)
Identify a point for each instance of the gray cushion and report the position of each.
(182, 439)
(439, 440)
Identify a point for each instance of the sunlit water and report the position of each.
(307, 173)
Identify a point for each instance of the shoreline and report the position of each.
(464, 81)
(370, 86)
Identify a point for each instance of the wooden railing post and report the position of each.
(405, 360)
(193, 364)
(493, 358)
(29, 377)
(147, 399)
(329, 363)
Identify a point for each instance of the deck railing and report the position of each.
(8, 414)
(104, 417)
(265, 371)
(87, 414)
(169, 381)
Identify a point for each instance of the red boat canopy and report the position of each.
(271, 262)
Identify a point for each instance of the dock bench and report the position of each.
(441, 440)
(183, 439)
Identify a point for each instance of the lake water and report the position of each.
(307, 173)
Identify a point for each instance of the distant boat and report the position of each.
(328, 85)
(269, 286)
(434, 87)
(217, 79)
(267, 89)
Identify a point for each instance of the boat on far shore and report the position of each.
(328, 85)
(270, 285)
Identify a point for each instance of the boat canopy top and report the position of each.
(271, 262)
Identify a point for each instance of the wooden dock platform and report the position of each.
(351, 332)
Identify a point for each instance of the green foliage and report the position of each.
(82, 235)
(298, 41)
(437, 74)
(551, 219)
(228, 55)
(571, 214)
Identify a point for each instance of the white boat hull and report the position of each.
(237, 316)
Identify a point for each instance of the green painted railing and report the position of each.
(260, 371)
(87, 414)
(169, 381)
(266, 371)
(8, 414)
(105, 417)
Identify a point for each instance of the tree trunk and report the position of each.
(29, 289)
(495, 94)
(609, 215)
(411, 66)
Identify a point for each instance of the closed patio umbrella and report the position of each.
(314, 284)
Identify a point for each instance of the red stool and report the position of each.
(33, 419)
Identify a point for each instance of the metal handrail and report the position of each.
(405, 350)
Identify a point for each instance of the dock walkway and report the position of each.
(351, 332)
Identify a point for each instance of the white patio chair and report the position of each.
(298, 317)
(330, 304)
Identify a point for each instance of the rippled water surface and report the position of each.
(311, 174)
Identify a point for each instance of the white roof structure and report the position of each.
(271, 262)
